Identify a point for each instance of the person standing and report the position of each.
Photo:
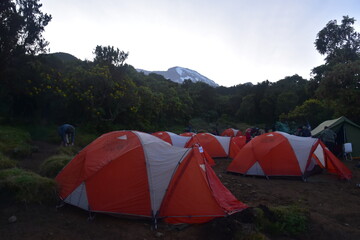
(305, 132)
(328, 137)
(67, 134)
(248, 135)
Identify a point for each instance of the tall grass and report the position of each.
(27, 186)
(54, 164)
(6, 162)
(15, 142)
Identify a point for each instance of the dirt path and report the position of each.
(44, 151)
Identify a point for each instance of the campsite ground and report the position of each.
(333, 205)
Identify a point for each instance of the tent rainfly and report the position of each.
(172, 138)
(135, 174)
(282, 154)
(215, 146)
(231, 132)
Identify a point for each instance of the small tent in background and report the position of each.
(215, 146)
(139, 175)
(231, 132)
(172, 138)
(346, 130)
(236, 143)
(180, 141)
(188, 134)
(282, 154)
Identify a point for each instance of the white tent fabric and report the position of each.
(162, 160)
(78, 197)
(301, 147)
(225, 142)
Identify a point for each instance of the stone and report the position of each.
(12, 219)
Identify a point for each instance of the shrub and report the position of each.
(54, 164)
(15, 142)
(6, 162)
(27, 186)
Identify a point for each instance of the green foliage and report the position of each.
(15, 142)
(54, 164)
(312, 110)
(282, 220)
(110, 95)
(40, 132)
(26, 186)
(109, 55)
(6, 162)
(339, 42)
(22, 24)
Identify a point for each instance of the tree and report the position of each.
(339, 42)
(110, 56)
(21, 27)
(312, 110)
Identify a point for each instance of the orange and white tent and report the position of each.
(282, 154)
(188, 134)
(172, 138)
(215, 146)
(180, 141)
(231, 132)
(236, 143)
(136, 174)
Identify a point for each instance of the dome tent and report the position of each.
(215, 146)
(172, 138)
(236, 143)
(231, 132)
(187, 134)
(282, 154)
(180, 141)
(136, 174)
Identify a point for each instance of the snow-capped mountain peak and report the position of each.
(180, 74)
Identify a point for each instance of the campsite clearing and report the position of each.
(333, 205)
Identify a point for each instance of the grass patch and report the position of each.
(69, 150)
(6, 162)
(251, 236)
(46, 133)
(27, 186)
(282, 220)
(15, 142)
(54, 164)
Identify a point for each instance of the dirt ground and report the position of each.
(334, 207)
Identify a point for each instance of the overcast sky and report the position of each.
(229, 41)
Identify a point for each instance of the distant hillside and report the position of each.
(179, 74)
(65, 57)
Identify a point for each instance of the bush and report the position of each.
(54, 164)
(15, 142)
(6, 162)
(282, 220)
(27, 186)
